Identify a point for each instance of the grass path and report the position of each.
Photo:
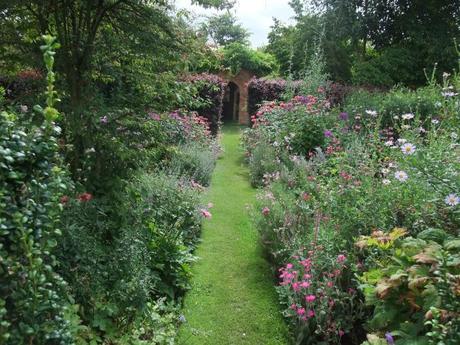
(232, 301)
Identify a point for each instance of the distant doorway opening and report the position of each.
(231, 103)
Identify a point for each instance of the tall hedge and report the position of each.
(211, 90)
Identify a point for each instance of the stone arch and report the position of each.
(240, 80)
(231, 103)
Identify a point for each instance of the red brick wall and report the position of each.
(241, 80)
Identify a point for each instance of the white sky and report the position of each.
(255, 15)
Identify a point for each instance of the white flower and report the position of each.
(434, 121)
(401, 176)
(452, 200)
(408, 116)
(392, 165)
(402, 141)
(396, 117)
(386, 182)
(438, 104)
(372, 113)
(449, 94)
(421, 130)
(408, 149)
(385, 171)
(405, 127)
(276, 144)
(454, 136)
(24, 108)
(445, 75)
(389, 143)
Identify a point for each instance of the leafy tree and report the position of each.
(223, 29)
(114, 41)
(237, 56)
(368, 36)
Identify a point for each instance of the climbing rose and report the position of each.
(265, 211)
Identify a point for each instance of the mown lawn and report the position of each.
(232, 300)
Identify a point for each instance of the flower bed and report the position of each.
(360, 215)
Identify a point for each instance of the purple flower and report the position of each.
(104, 119)
(389, 338)
(328, 133)
(343, 116)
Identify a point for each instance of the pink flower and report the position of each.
(330, 284)
(307, 276)
(289, 266)
(341, 333)
(296, 286)
(265, 211)
(305, 285)
(310, 313)
(205, 213)
(341, 258)
(293, 306)
(301, 311)
(310, 298)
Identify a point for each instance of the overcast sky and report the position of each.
(254, 15)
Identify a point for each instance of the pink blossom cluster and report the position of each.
(310, 289)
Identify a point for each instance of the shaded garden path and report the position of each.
(232, 300)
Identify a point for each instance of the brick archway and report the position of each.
(241, 80)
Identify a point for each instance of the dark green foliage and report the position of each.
(370, 41)
(237, 56)
(33, 297)
(210, 89)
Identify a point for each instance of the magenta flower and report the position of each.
(310, 313)
(341, 258)
(265, 211)
(343, 116)
(310, 298)
(328, 133)
(301, 311)
(305, 285)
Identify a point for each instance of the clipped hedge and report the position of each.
(211, 89)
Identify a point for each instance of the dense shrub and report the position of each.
(211, 90)
(195, 162)
(33, 299)
(263, 90)
(362, 178)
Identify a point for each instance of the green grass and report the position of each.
(233, 300)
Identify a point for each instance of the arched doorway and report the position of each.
(231, 103)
